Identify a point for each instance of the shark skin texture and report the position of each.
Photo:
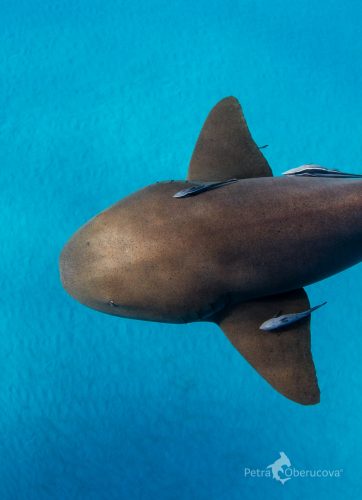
(235, 254)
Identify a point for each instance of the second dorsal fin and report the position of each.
(225, 148)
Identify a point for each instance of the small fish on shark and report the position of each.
(287, 319)
(201, 188)
(308, 170)
(311, 170)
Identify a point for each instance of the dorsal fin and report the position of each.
(225, 148)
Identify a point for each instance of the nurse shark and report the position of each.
(233, 256)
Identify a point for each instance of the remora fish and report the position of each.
(287, 319)
(311, 170)
(232, 257)
(201, 188)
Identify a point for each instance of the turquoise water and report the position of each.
(98, 99)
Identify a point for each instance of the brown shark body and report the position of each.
(235, 255)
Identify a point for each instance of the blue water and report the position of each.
(98, 99)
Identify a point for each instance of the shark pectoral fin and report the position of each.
(284, 359)
(225, 148)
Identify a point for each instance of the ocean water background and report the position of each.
(97, 100)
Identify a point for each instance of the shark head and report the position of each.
(127, 261)
(96, 266)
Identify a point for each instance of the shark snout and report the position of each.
(71, 267)
(91, 268)
(80, 264)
